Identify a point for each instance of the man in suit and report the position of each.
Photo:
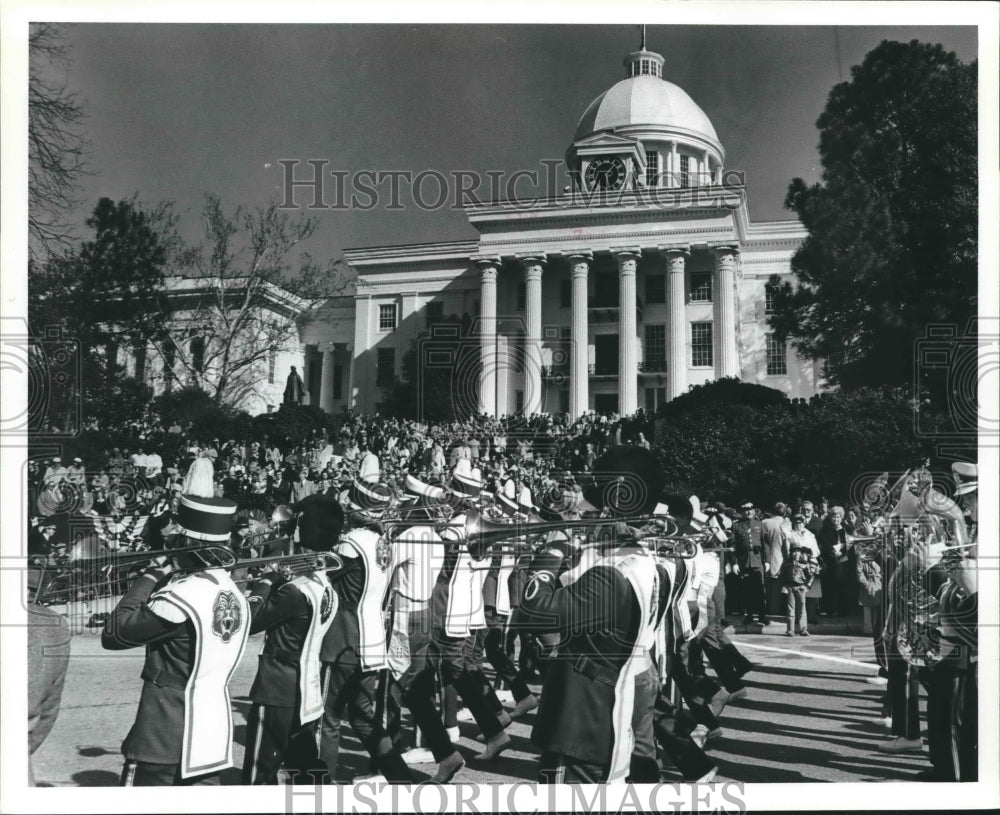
(772, 535)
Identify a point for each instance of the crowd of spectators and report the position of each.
(801, 552)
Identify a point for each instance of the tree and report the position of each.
(892, 244)
(243, 299)
(56, 148)
(85, 306)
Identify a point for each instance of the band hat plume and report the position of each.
(422, 490)
(626, 480)
(366, 495)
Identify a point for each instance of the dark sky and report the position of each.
(176, 111)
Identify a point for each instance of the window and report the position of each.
(701, 345)
(475, 308)
(435, 312)
(656, 348)
(565, 293)
(522, 296)
(685, 171)
(139, 351)
(338, 381)
(656, 288)
(519, 401)
(386, 370)
(387, 317)
(701, 287)
(606, 290)
(565, 332)
(169, 359)
(652, 168)
(654, 398)
(272, 358)
(768, 299)
(777, 358)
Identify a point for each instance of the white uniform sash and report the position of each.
(377, 555)
(639, 568)
(323, 601)
(506, 569)
(220, 615)
(465, 611)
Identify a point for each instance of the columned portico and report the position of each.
(676, 258)
(533, 265)
(728, 363)
(488, 268)
(579, 395)
(628, 358)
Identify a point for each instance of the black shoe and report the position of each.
(765, 620)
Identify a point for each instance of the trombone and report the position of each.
(299, 564)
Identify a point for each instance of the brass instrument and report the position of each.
(105, 574)
(302, 563)
(918, 637)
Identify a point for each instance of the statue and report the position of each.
(294, 389)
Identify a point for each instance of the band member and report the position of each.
(354, 648)
(607, 620)
(418, 557)
(286, 694)
(457, 610)
(497, 602)
(194, 629)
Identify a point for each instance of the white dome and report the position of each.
(649, 101)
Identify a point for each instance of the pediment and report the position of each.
(606, 140)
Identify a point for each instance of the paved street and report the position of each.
(806, 719)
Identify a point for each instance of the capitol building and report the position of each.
(645, 277)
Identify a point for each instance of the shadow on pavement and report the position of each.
(96, 778)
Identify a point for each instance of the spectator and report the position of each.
(772, 536)
(834, 555)
(749, 545)
(801, 565)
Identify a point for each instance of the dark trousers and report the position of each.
(952, 721)
(724, 657)
(645, 768)
(775, 600)
(275, 736)
(878, 639)
(734, 593)
(696, 690)
(459, 669)
(418, 685)
(348, 689)
(558, 768)
(146, 774)
(752, 591)
(490, 640)
(903, 692)
(673, 733)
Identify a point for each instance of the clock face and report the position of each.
(606, 173)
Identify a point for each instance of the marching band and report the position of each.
(390, 596)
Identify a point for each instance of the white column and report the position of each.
(488, 270)
(628, 357)
(579, 377)
(360, 362)
(675, 166)
(727, 359)
(706, 177)
(533, 334)
(677, 362)
(326, 380)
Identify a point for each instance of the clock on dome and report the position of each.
(606, 173)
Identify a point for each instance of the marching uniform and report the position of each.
(606, 619)
(195, 629)
(286, 694)
(354, 652)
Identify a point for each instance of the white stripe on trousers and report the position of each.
(257, 742)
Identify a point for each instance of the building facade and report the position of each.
(644, 278)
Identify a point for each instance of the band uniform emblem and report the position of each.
(383, 554)
(326, 604)
(227, 616)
